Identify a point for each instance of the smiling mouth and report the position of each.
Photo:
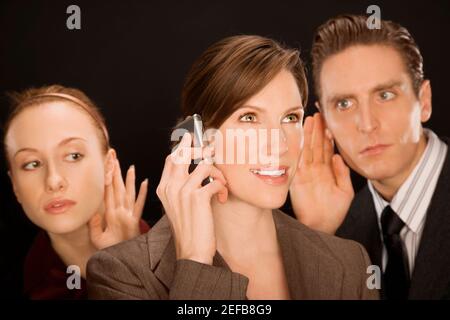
(269, 172)
(274, 176)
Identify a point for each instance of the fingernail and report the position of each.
(132, 167)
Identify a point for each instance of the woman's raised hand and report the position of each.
(188, 204)
(123, 211)
(322, 191)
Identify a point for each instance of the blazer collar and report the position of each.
(312, 271)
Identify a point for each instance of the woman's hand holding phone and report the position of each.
(188, 204)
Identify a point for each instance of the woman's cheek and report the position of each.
(29, 187)
(295, 140)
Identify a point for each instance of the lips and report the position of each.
(59, 206)
(272, 175)
(374, 149)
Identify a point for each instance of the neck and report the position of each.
(387, 188)
(237, 222)
(74, 248)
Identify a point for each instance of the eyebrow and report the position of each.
(263, 110)
(61, 143)
(382, 86)
(387, 85)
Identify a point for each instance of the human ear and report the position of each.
(328, 132)
(317, 104)
(425, 101)
(110, 161)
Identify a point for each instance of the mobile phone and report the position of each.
(194, 125)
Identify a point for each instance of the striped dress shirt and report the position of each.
(413, 198)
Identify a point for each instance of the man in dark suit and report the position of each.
(374, 99)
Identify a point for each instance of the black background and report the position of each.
(131, 57)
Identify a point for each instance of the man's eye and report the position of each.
(387, 95)
(344, 104)
(290, 118)
(248, 117)
(31, 165)
(74, 156)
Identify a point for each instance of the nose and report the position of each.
(367, 121)
(54, 180)
(276, 142)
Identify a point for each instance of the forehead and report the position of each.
(47, 124)
(282, 91)
(360, 68)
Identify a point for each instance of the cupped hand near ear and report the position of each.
(321, 191)
(123, 210)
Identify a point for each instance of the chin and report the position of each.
(270, 201)
(61, 228)
(379, 172)
(62, 225)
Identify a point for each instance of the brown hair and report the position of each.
(231, 71)
(344, 31)
(38, 96)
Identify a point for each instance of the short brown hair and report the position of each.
(37, 96)
(231, 71)
(344, 31)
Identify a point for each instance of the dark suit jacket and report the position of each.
(431, 275)
(318, 266)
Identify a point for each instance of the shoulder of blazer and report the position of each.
(342, 250)
(145, 250)
(319, 265)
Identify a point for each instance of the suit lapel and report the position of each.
(161, 251)
(431, 275)
(361, 225)
(311, 273)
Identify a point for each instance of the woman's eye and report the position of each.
(290, 118)
(31, 165)
(74, 156)
(387, 95)
(344, 104)
(248, 117)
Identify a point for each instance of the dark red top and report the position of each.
(45, 274)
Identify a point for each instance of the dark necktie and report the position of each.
(396, 275)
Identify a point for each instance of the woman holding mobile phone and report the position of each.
(227, 239)
(68, 180)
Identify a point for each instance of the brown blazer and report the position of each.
(317, 265)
